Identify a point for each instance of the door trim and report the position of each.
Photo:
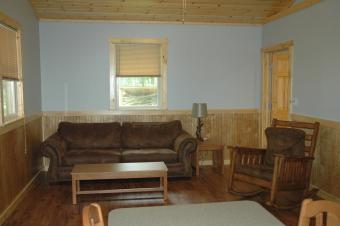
(265, 110)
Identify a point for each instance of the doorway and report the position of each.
(276, 84)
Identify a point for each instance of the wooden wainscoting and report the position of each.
(326, 167)
(225, 126)
(20, 161)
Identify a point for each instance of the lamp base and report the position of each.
(198, 129)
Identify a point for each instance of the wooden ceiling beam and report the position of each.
(143, 20)
(224, 12)
(249, 11)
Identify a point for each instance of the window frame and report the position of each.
(162, 80)
(12, 24)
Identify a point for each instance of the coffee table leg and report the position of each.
(165, 187)
(74, 191)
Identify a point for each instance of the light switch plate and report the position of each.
(295, 101)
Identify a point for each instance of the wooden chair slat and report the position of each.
(316, 209)
(308, 137)
(294, 124)
(92, 215)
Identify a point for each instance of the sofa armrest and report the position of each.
(184, 145)
(54, 148)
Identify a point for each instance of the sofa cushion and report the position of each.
(91, 156)
(91, 135)
(150, 134)
(285, 141)
(149, 155)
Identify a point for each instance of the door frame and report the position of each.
(265, 111)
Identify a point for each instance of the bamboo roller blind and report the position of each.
(8, 53)
(138, 60)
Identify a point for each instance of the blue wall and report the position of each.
(219, 65)
(316, 75)
(22, 12)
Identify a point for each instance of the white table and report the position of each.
(236, 213)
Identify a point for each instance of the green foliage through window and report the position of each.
(9, 97)
(138, 91)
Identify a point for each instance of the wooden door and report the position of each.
(276, 85)
(280, 85)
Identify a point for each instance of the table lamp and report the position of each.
(199, 110)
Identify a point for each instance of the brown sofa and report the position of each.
(86, 143)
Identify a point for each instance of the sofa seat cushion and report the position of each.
(149, 155)
(139, 135)
(260, 171)
(91, 135)
(91, 156)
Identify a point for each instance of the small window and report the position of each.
(138, 92)
(10, 74)
(10, 91)
(138, 74)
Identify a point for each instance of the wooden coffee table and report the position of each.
(119, 171)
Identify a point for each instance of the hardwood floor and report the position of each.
(51, 205)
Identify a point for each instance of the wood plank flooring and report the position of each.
(50, 205)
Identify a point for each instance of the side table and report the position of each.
(218, 155)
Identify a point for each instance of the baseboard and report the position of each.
(9, 210)
(210, 162)
(325, 195)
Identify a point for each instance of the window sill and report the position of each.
(11, 124)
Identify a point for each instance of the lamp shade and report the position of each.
(199, 110)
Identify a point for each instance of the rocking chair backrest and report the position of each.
(311, 129)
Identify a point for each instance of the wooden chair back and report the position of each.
(311, 130)
(92, 215)
(324, 212)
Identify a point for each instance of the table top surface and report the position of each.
(236, 213)
(119, 167)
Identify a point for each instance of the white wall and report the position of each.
(219, 65)
(316, 76)
(22, 12)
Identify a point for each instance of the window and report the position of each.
(138, 74)
(10, 73)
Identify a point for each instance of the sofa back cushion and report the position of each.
(285, 141)
(150, 134)
(91, 135)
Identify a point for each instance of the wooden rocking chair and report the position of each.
(288, 172)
